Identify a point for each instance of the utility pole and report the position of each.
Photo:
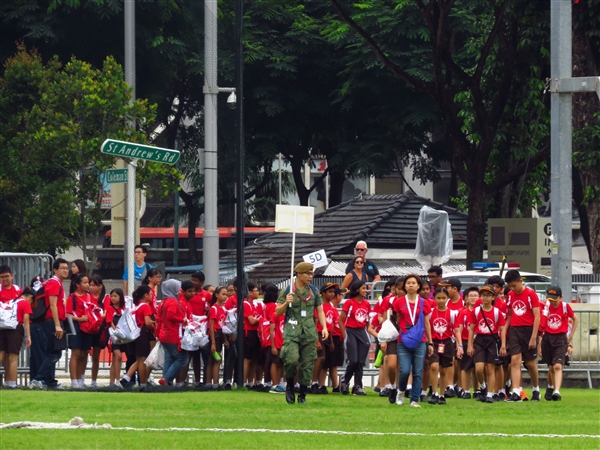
(129, 10)
(562, 85)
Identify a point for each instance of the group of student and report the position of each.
(473, 339)
(449, 340)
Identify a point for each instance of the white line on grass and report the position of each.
(67, 426)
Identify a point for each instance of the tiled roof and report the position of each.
(383, 221)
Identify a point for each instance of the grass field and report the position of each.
(577, 414)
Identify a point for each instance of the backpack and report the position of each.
(94, 313)
(40, 309)
(8, 314)
(413, 337)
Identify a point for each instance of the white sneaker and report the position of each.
(400, 398)
(414, 405)
(76, 384)
(94, 384)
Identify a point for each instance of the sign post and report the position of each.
(294, 219)
(135, 152)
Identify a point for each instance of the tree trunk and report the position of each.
(301, 190)
(336, 190)
(585, 105)
(193, 216)
(476, 226)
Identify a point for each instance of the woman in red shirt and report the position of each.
(410, 310)
(80, 342)
(172, 315)
(355, 315)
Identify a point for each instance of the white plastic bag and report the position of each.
(194, 334)
(230, 326)
(126, 330)
(156, 358)
(434, 237)
(388, 332)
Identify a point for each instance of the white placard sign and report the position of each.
(317, 259)
(290, 219)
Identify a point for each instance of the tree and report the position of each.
(53, 120)
(470, 58)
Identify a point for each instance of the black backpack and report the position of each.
(40, 309)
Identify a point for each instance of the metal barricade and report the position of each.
(26, 266)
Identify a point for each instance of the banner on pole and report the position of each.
(294, 219)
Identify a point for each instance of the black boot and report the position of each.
(290, 396)
(302, 394)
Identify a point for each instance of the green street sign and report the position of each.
(139, 151)
(116, 176)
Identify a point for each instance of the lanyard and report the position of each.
(412, 316)
(298, 294)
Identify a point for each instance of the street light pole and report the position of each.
(129, 10)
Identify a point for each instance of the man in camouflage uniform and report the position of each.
(299, 350)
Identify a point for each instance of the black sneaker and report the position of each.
(344, 388)
(323, 390)
(441, 401)
(556, 397)
(476, 395)
(424, 398)
(535, 396)
(392, 395)
(434, 400)
(465, 395)
(489, 399)
(407, 393)
(376, 389)
(314, 389)
(336, 390)
(483, 395)
(514, 397)
(449, 393)
(383, 392)
(127, 384)
(227, 387)
(358, 390)
(502, 396)
(429, 392)
(290, 395)
(548, 394)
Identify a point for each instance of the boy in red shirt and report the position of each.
(8, 290)
(486, 322)
(523, 318)
(466, 363)
(444, 327)
(251, 341)
(325, 349)
(456, 303)
(557, 339)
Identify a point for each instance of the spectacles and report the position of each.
(360, 249)
(359, 262)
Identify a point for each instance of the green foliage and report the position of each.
(588, 158)
(53, 122)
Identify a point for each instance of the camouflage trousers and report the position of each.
(299, 358)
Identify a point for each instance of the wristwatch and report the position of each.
(430, 343)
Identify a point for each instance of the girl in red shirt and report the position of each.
(80, 342)
(172, 314)
(444, 327)
(113, 313)
(142, 346)
(99, 340)
(355, 315)
(216, 320)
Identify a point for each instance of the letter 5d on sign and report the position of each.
(139, 151)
